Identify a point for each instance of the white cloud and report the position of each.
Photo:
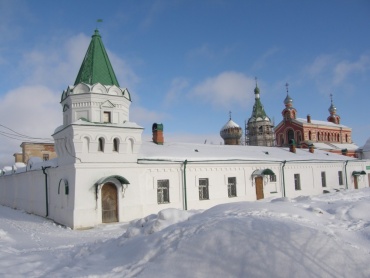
(343, 69)
(126, 76)
(145, 117)
(55, 65)
(33, 111)
(261, 62)
(332, 70)
(203, 51)
(320, 65)
(176, 91)
(226, 90)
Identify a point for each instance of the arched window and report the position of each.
(281, 139)
(299, 137)
(116, 145)
(101, 145)
(85, 144)
(290, 134)
(309, 135)
(130, 146)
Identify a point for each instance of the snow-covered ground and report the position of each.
(323, 236)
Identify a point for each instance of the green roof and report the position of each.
(96, 67)
(258, 110)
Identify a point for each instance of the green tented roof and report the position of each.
(96, 66)
(258, 110)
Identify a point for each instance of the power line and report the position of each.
(19, 136)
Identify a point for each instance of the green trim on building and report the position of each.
(96, 67)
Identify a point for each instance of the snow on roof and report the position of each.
(316, 122)
(206, 152)
(335, 146)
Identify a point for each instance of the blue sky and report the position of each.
(188, 63)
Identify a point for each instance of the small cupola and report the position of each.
(334, 118)
(231, 133)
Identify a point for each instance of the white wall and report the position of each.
(80, 208)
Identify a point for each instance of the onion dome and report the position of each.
(256, 90)
(334, 118)
(231, 132)
(288, 101)
(332, 109)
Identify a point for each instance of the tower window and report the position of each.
(107, 117)
(101, 145)
(115, 144)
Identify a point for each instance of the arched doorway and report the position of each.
(259, 187)
(109, 203)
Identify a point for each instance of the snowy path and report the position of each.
(31, 246)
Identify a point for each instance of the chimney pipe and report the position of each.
(309, 118)
(292, 146)
(157, 130)
(311, 148)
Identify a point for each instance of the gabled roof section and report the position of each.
(96, 67)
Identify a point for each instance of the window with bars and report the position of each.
(297, 181)
(203, 189)
(45, 156)
(323, 179)
(163, 191)
(272, 178)
(231, 186)
(340, 177)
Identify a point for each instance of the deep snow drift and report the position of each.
(323, 236)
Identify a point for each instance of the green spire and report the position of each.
(258, 110)
(96, 66)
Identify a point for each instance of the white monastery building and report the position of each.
(104, 172)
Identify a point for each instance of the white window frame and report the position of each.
(297, 181)
(203, 189)
(231, 187)
(272, 178)
(340, 177)
(163, 191)
(323, 179)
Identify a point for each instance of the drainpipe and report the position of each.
(46, 190)
(345, 171)
(185, 196)
(282, 169)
